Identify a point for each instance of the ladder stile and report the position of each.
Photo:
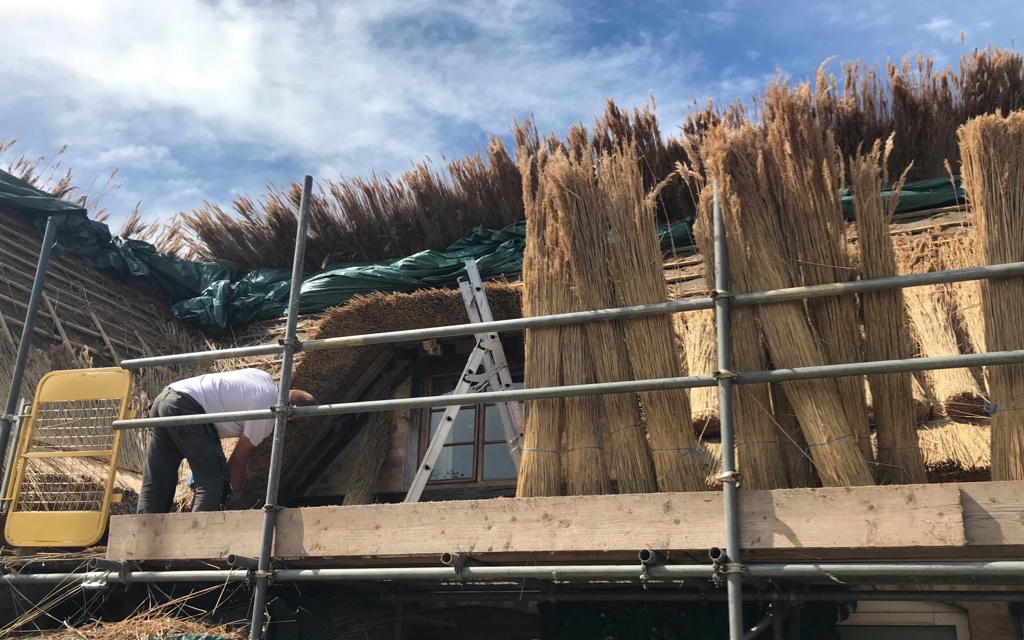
(487, 368)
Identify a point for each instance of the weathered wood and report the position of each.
(993, 512)
(834, 518)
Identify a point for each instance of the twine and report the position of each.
(807, 449)
(628, 426)
(688, 450)
(535, 449)
(595, 446)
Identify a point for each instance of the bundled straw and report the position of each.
(696, 330)
(899, 456)
(583, 231)
(638, 277)
(759, 457)
(932, 322)
(540, 468)
(799, 466)
(810, 171)
(994, 182)
(737, 158)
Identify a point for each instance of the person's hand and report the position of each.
(241, 500)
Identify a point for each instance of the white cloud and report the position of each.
(943, 28)
(350, 85)
(146, 157)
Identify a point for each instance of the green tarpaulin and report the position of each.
(216, 298)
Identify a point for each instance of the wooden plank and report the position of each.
(993, 512)
(861, 517)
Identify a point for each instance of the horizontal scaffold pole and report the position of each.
(1014, 269)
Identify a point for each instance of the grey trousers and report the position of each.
(168, 446)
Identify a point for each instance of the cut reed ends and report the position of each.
(993, 177)
(933, 326)
(697, 333)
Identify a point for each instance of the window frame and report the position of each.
(479, 432)
(910, 614)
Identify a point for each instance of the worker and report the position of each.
(218, 482)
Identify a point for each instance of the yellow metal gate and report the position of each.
(70, 420)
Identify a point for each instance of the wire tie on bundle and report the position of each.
(688, 450)
(991, 408)
(807, 449)
(539, 450)
(595, 446)
(628, 426)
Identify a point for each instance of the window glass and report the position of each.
(443, 385)
(498, 462)
(893, 632)
(454, 463)
(462, 429)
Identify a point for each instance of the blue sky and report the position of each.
(197, 100)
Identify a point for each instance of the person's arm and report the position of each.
(237, 461)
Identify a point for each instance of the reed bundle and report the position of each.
(583, 232)
(993, 178)
(886, 333)
(792, 444)
(811, 173)
(738, 159)
(933, 325)
(758, 456)
(696, 331)
(638, 276)
(540, 467)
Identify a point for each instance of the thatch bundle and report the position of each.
(933, 325)
(543, 294)
(638, 277)
(810, 173)
(696, 331)
(759, 456)
(886, 334)
(994, 181)
(582, 228)
(795, 453)
(740, 160)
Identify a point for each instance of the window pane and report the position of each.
(887, 632)
(454, 463)
(493, 429)
(462, 430)
(498, 462)
(443, 386)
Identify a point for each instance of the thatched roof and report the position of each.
(329, 373)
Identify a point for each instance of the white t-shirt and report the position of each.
(242, 390)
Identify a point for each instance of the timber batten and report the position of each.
(948, 519)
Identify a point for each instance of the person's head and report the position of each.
(300, 398)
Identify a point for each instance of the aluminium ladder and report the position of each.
(487, 369)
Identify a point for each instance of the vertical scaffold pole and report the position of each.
(729, 477)
(25, 343)
(270, 508)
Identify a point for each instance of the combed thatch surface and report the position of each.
(327, 374)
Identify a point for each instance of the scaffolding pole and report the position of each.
(25, 341)
(282, 414)
(1014, 269)
(988, 359)
(729, 477)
